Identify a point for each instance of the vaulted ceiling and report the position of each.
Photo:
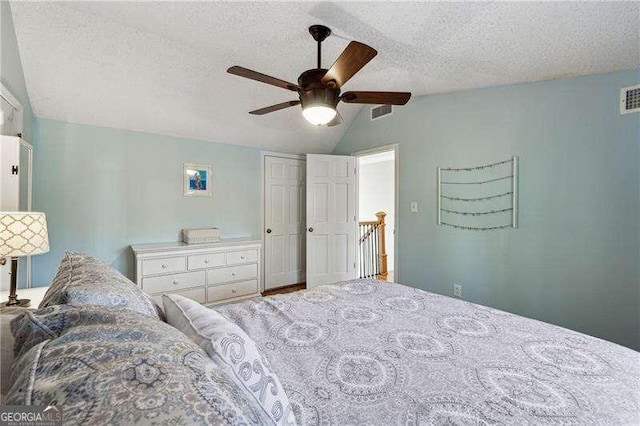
(161, 67)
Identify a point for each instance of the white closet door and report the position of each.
(15, 195)
(331, 219)
(284, 221)
(9, 179)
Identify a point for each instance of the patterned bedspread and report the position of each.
(369, 352)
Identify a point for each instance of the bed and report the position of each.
(356, 352)
(371, 352)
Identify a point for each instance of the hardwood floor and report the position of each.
(286, 289)
(303, 286)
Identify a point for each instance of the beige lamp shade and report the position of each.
(23, 234)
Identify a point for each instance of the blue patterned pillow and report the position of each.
(33, 327)
(109, 365)
(85, 280)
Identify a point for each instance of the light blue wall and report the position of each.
(104, 189)
(574, 261)
(11, 72)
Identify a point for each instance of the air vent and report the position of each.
(381, 111)
(630, 99)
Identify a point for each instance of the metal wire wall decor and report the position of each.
(481, 198)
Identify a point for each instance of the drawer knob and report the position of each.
(175, 282)
(233, 290)
(206, 261)
(233, 274)
(241, 257)
(165, 266)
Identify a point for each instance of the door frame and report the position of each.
(22, 142)
(396, 199)
(263, 155)
(18, 117)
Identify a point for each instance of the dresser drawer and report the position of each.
(242, 256)
(233, 273)
(167, 265)
(197, 294)
(227, 291)
(205, 261)
(172, 283)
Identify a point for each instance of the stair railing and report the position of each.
(372, 250)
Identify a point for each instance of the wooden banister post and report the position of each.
(382, 255)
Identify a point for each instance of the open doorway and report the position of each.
(377, 213)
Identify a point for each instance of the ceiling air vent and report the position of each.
(630, 99)
(381, 111)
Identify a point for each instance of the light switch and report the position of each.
(414, 207)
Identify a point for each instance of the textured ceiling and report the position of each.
(160, 67)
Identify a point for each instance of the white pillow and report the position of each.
(230, 347)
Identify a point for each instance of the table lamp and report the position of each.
(21, 234)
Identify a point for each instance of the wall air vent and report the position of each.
(630, 99)
(381, 111)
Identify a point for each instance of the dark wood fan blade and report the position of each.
(377, 98)
(350, 61)
(337, 120)
(276, 107)
(263, 78)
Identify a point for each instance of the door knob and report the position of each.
(268, 231)
(310, 229)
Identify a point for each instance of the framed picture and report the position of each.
(197, 180)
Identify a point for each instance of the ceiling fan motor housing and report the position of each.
(314, 92)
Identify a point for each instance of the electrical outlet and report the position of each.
(414, 207)
(457, 290)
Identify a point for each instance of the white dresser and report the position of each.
(207, 273)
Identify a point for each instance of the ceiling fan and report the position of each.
(319, 89)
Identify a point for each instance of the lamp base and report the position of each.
(18, 303)
(14, 302)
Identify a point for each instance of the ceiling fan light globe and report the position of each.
(319, 114)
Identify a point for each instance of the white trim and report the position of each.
(376, 150)
(16, 105)
(29, 200)
(514, 190)
(263, 155)
(23, 142)
(282, 155)
(396, 196)
(439, 194)
(8, 96)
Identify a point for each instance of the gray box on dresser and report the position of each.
(213, 273)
